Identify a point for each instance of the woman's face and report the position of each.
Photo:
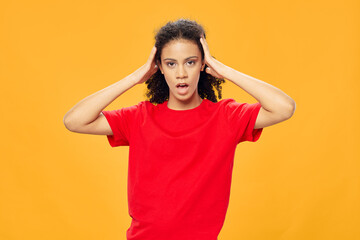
(181, 63)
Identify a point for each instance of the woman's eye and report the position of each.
(172, 64)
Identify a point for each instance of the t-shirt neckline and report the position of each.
(186, 110)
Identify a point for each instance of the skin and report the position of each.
(276, 106)
(182, 70)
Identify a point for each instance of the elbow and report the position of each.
(290, 110)
(286, 111)
(68, 124)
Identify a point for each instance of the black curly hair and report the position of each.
(157, 88)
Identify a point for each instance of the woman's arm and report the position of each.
(271, 98)
(276, 106)
(87, 110)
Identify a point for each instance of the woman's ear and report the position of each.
(159, 66)
(202, 66)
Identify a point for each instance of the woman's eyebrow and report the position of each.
(185, 58)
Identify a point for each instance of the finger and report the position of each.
(154, 51)
(152, 54)
(213, 73)
(205, 46)
(203, 40)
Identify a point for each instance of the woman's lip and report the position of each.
(182, 90)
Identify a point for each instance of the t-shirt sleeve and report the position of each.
(242, 118)
(121, 122)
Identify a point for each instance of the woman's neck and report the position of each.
(178, 104)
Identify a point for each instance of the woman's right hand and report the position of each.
(149, 68)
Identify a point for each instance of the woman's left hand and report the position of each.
(215, 68)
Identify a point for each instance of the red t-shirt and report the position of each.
(180, 165)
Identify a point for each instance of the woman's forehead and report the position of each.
(180, 49)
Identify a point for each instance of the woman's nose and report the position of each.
(181, 72)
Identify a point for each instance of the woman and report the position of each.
(182, 140)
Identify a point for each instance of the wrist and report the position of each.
(226, 72)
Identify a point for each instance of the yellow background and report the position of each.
(299, 181)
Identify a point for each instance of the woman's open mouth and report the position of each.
(182, 88)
